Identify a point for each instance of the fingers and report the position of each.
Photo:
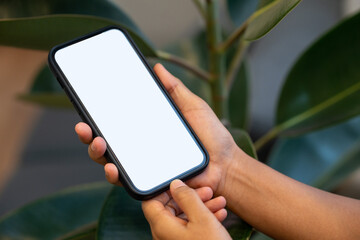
(216, 206)
(97, 147)
(189, 201)
(168, 80)
(221, 214)
(112, 174)
(84, 132)
(205, 194)
(97, 150)
(156, 214)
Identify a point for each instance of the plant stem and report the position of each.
(267, 138)
(233, 37)
(216, 60)
(235, 64)
(201, 8)
(183, 63)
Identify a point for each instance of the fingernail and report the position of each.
(177, 183)
(92, 146)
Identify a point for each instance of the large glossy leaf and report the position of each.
(46, 91)
(51, 100)
(33, 8)
(266, 18)
(238, 99)
(263, 3)
(240, 231)
(46, 31)
(45, 81)
(240, 10)
(71, 212)
(122, 218)
(323, 87)
(321, 158)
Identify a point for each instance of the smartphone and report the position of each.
(118, 95)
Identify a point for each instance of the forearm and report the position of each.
(287, 209)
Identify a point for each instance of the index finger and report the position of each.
(84, 132)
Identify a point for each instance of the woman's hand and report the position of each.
(185, 216)
(216, 139)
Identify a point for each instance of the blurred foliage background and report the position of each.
(299, 85)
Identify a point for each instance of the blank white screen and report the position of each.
(139, 124)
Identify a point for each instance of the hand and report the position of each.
(216, 139)
(201, 221)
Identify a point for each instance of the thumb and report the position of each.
(189, 201)
(181, 95)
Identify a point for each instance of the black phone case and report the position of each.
(85, 116)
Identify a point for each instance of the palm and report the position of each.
(216, 139)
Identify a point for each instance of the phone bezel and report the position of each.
(85, 116)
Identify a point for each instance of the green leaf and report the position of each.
(243, 140)
(100, 8)
(240, 231)
(122, 218)
(44, 32)
(264, 3)
(241, 10)
(46, 91)
(33, 8)
(52, 100)
(323, 158)
(87, 232)
(266, 18)
(323, 87)
(238, 99)
(45, 82)
(57, 215)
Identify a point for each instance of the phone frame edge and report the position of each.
(85, 116)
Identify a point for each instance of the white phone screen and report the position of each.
(138, 122)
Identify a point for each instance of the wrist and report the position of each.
(232, 174)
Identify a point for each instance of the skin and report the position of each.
(268, 200)
(200, 221)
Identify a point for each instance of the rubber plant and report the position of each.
(317, 132)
